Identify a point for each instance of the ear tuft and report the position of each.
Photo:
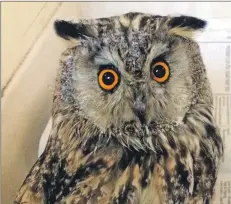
(68, 30)
(185, 26)
(187, 21)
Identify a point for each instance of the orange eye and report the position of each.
(108, 78)
(160, 72)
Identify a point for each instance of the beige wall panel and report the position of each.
(23, 23)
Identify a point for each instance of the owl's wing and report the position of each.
(76, 178)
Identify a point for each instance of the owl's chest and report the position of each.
(153, 179)
(146, 179)
(115, 175)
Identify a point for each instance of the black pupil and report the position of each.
(108, 78)
(159, 71)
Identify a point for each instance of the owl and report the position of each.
(132, 119)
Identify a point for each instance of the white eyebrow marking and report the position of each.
(136, 23)
(125, 21)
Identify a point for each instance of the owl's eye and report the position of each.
(160, 71)
(108, 78)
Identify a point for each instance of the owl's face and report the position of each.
(134, 67)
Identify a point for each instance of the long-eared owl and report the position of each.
(132, 119)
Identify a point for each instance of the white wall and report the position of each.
(199, 9)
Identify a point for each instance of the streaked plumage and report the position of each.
(142, 143)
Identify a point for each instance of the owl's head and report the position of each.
(133, 67)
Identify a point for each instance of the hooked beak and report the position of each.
(139, 108)
(140, 113)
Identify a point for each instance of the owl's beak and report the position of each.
(139, 102)
(140, 113)
(139, 109)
